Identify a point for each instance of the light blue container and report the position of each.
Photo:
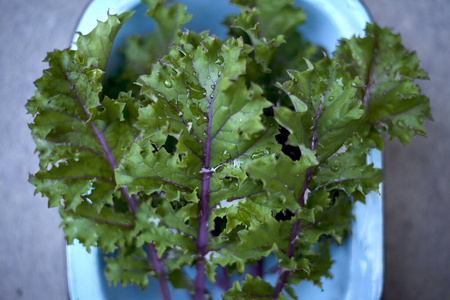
(358, 268)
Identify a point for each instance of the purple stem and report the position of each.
(202, 241)
(223, 281)
(130, 199)
(283, 274)
(203, 214)
(258, 269)
(159, 268)
(369, 76)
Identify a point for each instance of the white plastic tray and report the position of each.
(358, 268)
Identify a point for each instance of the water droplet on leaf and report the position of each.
(219, 60)
(258, 154)
(168, 84)
(335, 166)
(234, 186)
(226, 155)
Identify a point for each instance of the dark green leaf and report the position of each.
(106, 229)
(98, 42)
(252, 288)
(387, 71)
(128, 266)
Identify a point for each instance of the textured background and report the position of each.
(417, 241)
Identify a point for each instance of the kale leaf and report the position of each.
(217, 154)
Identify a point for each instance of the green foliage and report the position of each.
(106, 229)
(272, 19)
(251, 288)
(387, 71)
(128, 265)
(142, 51)
(224, 152)
(98, 42)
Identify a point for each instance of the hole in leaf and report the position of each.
(284, 215)
(155, 149)
(334, 196)
(120, 204)
(171, 144)
(292, 151)
(219, 225)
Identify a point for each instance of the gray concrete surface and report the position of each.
(32, 247)
(417, 241)
(417, 177)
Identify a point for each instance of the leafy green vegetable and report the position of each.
(213, 154)
(142, 51)
(387, 71)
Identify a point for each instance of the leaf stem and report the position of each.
(369, 76)
(202, 241)
(257, 270)
(203, 213)
(283, 274)
(223, 281)
(159, 268)
(133, 205)
(130, 199)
